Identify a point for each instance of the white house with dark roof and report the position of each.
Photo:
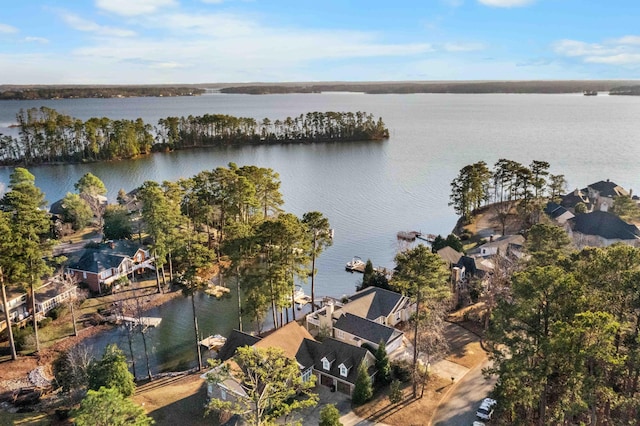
(503, 246)
(558, 213)
(601, 229)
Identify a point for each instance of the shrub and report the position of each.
(401, 371)
(57, 312)
(395, 392)
(21, 337)
(45, 322)
(330, 416)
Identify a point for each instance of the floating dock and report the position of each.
(145, 321)
(412, 235)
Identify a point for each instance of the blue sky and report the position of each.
(202, 41)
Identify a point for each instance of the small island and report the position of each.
(49, 137)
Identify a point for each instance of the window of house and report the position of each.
(326, 364)
(343, 370)
(306, 376)
(339, 334)
(223, 394)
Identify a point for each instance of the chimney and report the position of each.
(326, 320)
(330, 308)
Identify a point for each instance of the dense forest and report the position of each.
(460, 87)
(15, 93)
(47, 136)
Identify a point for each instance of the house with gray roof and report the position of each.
(358, 331)
(100, 266)
(334, 363)
(570, 200)
(366, 317)
(505, 245)
(377, 304)
(603, 193)
(601, 229)
(558, 213)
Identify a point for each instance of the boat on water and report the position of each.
(355, 264)
(590, 93)
(213, 342)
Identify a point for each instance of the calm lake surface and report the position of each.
(369, 191)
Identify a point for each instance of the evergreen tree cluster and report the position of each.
(509, 181)
(566, 336)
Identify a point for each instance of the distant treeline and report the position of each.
(549, 87)
(96, 92)
(626, 90)
(46, 136)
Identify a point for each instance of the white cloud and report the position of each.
(630, 39)
(619, 59)
(7, 29)
(506, 3)
(621, 51)
(212, 1)
(36, 40)
(81, 24)
(133, 7)
(463, 47)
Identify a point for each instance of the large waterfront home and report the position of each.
(366, 317)
(100, 266)
(601, 229)
(334, 363)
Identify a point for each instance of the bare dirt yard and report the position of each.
(175, 401)
(465, 351)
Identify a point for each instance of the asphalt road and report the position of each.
(459, 406)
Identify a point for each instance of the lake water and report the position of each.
(369, 191)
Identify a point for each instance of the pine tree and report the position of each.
(363, 391)
(382, 364)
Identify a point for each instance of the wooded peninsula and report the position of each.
(47, 136)
(61, 92)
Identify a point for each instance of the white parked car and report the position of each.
(485, 411)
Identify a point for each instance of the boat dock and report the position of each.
(412, 235)
(145, 321)
(357, 265)
(213, 342)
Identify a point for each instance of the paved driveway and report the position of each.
(458, 407)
